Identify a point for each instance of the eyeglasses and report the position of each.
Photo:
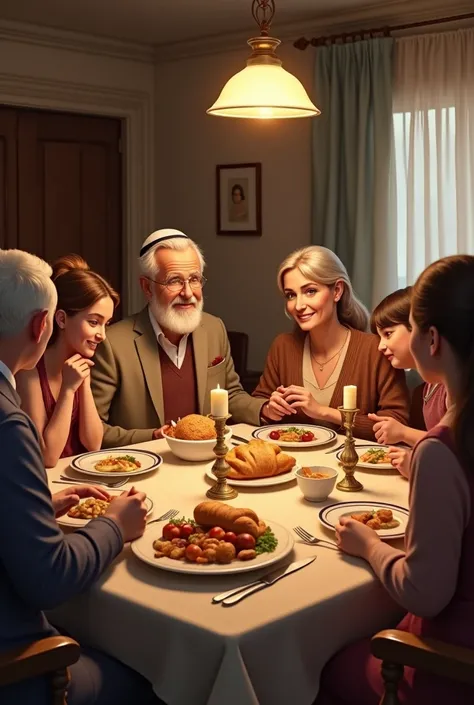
(177, 284)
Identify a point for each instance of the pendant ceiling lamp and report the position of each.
(263, 89)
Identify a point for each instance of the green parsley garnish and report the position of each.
(130, 458)
(267, 542)
(181, 521)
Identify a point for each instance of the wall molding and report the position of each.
(375, 15)
(75, 41)
(136, 109)
(371, 15)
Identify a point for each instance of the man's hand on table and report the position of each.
(129, 513)
(69, 497)
(355, 538)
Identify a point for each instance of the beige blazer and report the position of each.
(126, 379)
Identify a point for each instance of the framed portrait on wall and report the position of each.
(239, 199)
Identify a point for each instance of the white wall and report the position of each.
(241, 270)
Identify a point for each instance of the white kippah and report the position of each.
(159, 236)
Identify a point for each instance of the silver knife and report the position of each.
(231, 597)
(357, 445)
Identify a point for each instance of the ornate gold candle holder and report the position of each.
(221, 490)
(349, 458)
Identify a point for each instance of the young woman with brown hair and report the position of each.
(57, 393)
(433, 578)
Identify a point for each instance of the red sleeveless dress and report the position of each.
(73, 444)
(353, 676)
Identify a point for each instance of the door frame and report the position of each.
(135, 109)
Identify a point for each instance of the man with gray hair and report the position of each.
(40, 566)
(161, 363)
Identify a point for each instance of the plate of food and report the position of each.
(372, 458)
(218, 540)
(388, 520)
(91, 508)
(288, 436)
(116, 462)
(258, 464)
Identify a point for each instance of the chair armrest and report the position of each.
(37, 659)
(395, 646)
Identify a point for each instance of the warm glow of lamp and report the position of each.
(263, 89)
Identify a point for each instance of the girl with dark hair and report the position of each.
(433, 579)
(390, 321)
(57, 393)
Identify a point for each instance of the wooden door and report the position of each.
(69, 189)
(8, 179)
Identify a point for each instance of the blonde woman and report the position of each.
(306, 370)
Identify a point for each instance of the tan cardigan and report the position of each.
(380, 388)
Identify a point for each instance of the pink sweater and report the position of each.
(424, 577)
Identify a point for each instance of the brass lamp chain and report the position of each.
(263, 12)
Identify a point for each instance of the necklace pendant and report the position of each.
(321, 367)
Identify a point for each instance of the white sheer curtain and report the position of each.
(432, 204)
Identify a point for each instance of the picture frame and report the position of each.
(239, 199)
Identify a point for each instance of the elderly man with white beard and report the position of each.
(161, 363)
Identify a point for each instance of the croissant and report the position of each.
(258, 459)
(240, 521)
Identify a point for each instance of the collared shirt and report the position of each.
(175, 353)
(6, 372)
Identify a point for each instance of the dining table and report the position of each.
(271, 647)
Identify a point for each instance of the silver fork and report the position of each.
(311, 540)
(170, 514)
(65, 480)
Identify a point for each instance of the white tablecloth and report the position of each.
(268, 649)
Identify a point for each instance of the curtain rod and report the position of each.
(302, 43)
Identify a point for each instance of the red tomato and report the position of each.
(230, 537)
(306, 437)
(244, 542)
(171, 531)
(192, 552)
(216, 533)
(275, 435)
(186, 530)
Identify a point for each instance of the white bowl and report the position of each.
(316, 489)
(194, 451)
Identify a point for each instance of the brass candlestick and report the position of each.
(349, 458)
(221, 490)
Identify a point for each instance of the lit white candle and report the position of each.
(350, 397)
(219, 402)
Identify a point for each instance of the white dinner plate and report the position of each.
(262, 481)
(322, 435)
(370, 466)
(84, 464)
(65, 520)
(143, 549)
(329, 516)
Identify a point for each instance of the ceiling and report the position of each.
(161, 22)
